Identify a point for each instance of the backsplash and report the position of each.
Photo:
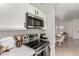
(4, 33)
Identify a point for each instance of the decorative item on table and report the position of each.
(19, 40)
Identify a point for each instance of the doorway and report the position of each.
(67, 21)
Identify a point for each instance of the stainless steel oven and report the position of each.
(41, 49)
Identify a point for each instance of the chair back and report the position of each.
(62, 38)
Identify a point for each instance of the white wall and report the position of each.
(76, 28)
(72, 28)
(69, 27)
(51, 27)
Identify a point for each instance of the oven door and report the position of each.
(40, 53)
(43, 52)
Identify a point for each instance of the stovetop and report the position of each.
(37, 44)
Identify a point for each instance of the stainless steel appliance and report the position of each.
(33, 21)
(41, 47)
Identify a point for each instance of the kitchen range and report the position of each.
(40, 46)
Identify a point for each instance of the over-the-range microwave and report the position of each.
(34, 22)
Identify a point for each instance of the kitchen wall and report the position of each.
(51, 27)
(5, 33)
(13, 16)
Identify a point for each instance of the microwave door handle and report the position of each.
(32, 22)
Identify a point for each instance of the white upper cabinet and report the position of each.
(32, 9)
(14, 15)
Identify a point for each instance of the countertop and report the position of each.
(22, 51)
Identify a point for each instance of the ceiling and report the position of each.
(43, 6)
(67, 11)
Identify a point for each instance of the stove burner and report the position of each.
(35, 44)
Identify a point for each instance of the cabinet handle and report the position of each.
(36, 12)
